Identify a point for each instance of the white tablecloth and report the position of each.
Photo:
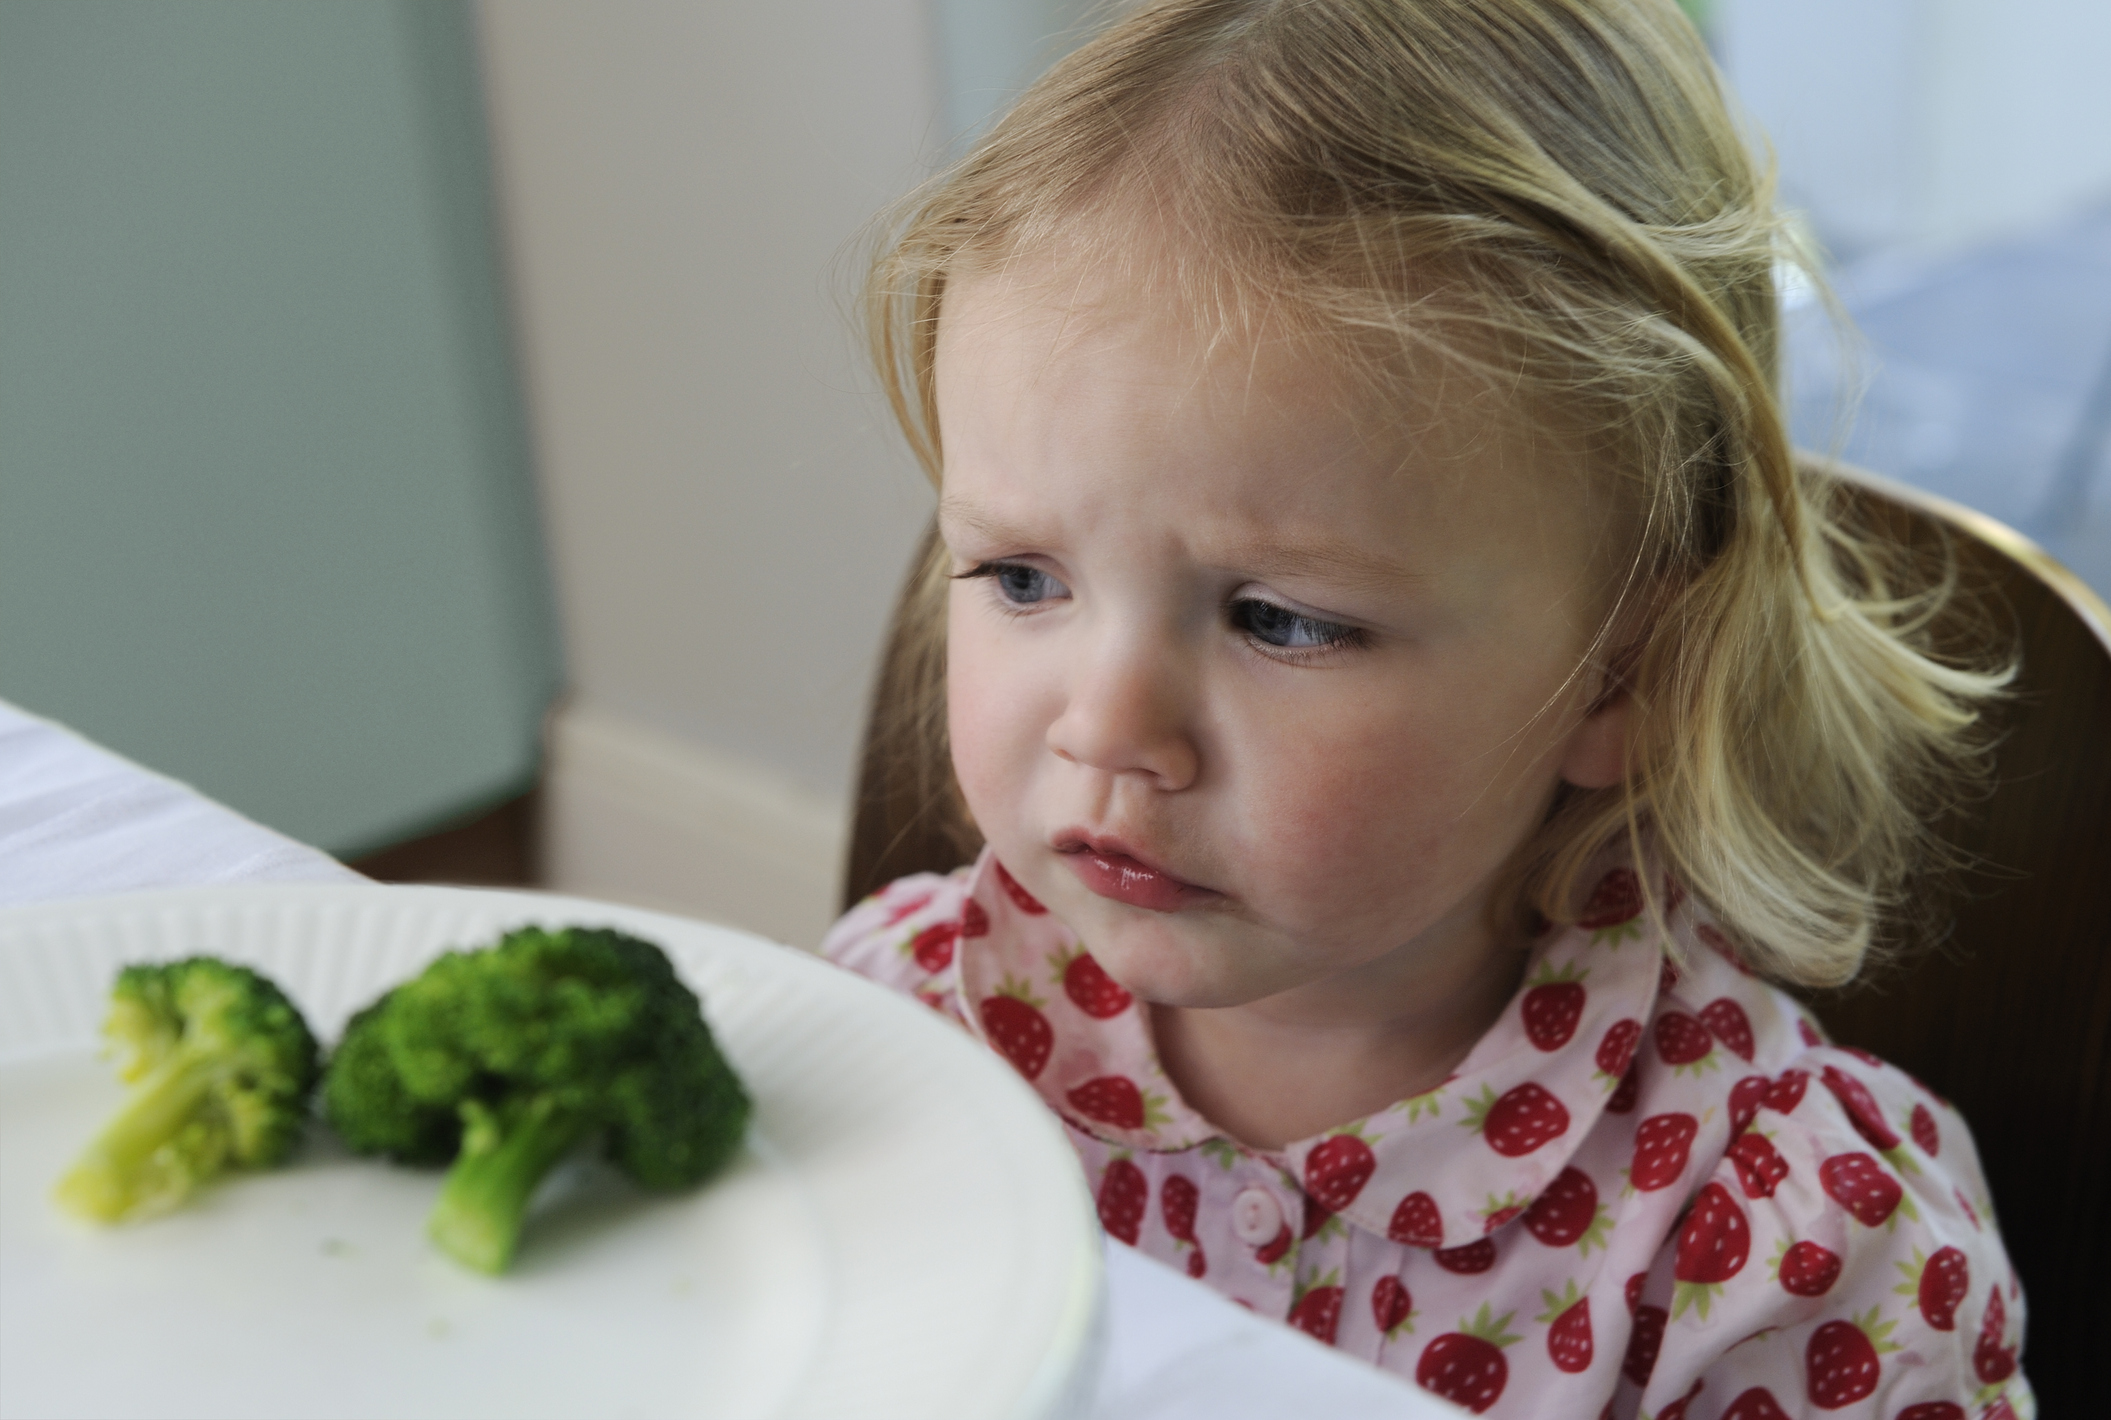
(78, 821)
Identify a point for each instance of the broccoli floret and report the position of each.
(365, 1100)
(506, 1059)
(221, 1065)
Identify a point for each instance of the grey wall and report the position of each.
(265, 515)
(685, 186)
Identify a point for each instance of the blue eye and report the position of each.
(1018, 583)
(1023, 586)
(1274, 625)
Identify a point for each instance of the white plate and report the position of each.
(908, 1233)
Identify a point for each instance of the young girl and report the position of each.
(1414, 704)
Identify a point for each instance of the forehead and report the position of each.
(1044, 362)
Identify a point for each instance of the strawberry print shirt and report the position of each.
(1647, 1192)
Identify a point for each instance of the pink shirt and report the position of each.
(1645, 1192)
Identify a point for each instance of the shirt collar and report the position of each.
(1440, 1169)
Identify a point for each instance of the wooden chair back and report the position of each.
(2006, 1010)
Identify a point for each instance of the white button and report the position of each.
(1256, 1217)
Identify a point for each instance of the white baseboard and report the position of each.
(637, 815)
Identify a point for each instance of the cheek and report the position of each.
(989, 719)
(1343, 796)
(1439, 791)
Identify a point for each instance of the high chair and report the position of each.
(2004, 1007)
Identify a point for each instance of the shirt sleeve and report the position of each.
(1842, 1260)
(906, 937)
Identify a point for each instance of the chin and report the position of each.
(1169, 972)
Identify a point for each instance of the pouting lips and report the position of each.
(1110, 870)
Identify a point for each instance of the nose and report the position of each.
(1129, 713)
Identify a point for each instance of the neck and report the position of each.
(1293, 1065)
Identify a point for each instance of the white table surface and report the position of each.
(79, 821)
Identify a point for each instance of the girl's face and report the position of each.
(1256, 682)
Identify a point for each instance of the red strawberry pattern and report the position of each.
(1643, 1344)
(1416, 1222)
(1787, 1091)
(1623, 1099)
(1728, 1023)
(1015, 1026)
(1992, 1362)
(1337, 1170)
(1841, 1361)
(933, 947)
(1807, 1269)
(1317, 1312)
(1025, 901)
(1964, 1206)
(1568, 1322)
(1677, 1409)
(1746, 1096)
(1758, 1403)
(1663, 1143)
(1616, 1050)
(1682, 1040)
(1614, 905)
(1521, 1120)
(1392, 1306)
(1760, 1167)
(1862, 1109)
(1553, 1007)
(1088, 986)
(1712, 1249)
(1268, 1254)
(1568, 1214)
(1178, 1198)
(1113, 1100)
(907, 905)
(1616, 1109)
(1178, 1202)
(1467, 1366)
(1467, 1258)
(1859, 1184)
(1500, 1215)
(1938, 1285)
(1124, 1194)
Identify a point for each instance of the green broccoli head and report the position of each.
(366, 1103)
(507, 1058)
(221, 1066)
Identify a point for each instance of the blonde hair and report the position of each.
(1552, 192)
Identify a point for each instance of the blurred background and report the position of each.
(437, 431)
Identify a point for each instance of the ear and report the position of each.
(1596, 754)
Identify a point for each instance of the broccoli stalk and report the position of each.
(509, 1058)
(222, 1066)
(485, 1197)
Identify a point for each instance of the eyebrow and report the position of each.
(1332, 559)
